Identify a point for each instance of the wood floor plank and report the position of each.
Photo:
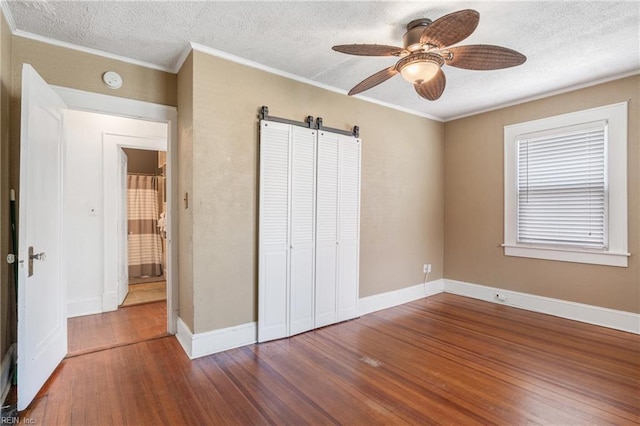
(561, 369)
(419, 404)
(124, 326)
(441, 360)
(296, 360)
(471, 377)
(217, 390)
(269, 392)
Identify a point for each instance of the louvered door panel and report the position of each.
(274, 231)
(327, 229)
(303, 201)
(348, 227)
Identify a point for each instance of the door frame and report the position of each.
(129, 108)
(112, 143)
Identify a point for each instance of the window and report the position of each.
(566, 187)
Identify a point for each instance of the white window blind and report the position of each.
(562, 187)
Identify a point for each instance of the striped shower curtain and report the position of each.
(145, 243)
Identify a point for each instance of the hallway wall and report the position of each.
(84, 204)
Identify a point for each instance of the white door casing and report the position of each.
(112, 145)
(42, 321)
(123, 229)
(122, 107)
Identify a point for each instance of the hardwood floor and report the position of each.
(445, 359)
(122, 327)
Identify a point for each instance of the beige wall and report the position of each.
(71, 68)
(185, 174)
(402, 199)
(7, 296)
(473, 181)
(141, 161)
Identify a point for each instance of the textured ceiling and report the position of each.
(567, 43)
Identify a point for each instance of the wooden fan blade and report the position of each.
(374, 80)
(433, 88)
(451, 28)
(484, 57)
(368, 49)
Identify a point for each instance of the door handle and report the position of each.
(38, 256)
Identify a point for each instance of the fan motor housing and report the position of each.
(411, 39)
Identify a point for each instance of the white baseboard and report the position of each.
(202, 344)
(377, 302)
(109, 301)
(610, 318)
(6, 369)
(185, 337)
(78, 308)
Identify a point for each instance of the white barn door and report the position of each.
(273, 261)
(303, 245)
(309, 229)
(327, 230)
(348, 227)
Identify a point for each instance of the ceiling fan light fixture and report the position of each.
(426, 46)
(420, 67)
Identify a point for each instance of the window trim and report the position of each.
(616, 254)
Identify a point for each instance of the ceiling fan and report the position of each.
(427, 48)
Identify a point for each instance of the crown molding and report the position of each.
(232, 58)
(546, 95)
(182, 58)
(71, 46)
(8, 16)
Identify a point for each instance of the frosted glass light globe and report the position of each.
(419, 71)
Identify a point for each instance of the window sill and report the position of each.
(568, 255)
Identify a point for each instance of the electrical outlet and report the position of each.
(426, 268)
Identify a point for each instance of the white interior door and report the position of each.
(348, 227)
(42, 320)
(303, 201)
(123, 229)
(327, 229)
(273, 260)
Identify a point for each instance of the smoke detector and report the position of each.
(112, 79)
